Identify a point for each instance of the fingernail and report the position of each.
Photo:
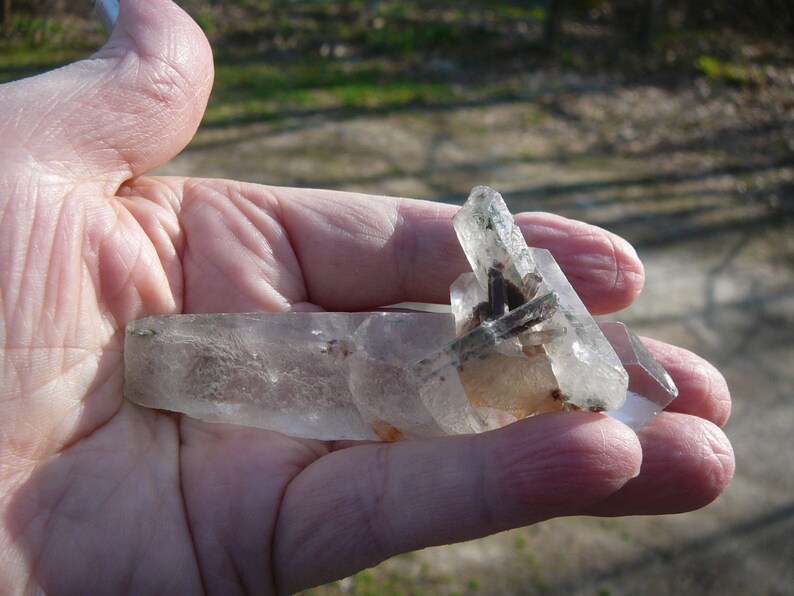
(108, 11)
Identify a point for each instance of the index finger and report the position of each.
(358, 251)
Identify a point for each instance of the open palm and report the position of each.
(97, 494)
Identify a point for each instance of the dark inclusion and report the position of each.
(503, 323)
(503, 297)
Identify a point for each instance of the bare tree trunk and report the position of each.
(650, 17)
(6, 16)
(551, 27)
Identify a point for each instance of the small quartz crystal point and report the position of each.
(650, 387)
(519, 342)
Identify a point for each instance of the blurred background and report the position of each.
(668, 122)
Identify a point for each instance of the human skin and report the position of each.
(98, 495)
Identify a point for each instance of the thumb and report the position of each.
(126, 110)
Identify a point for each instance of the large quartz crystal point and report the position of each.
(315, 375)
(588, 373)
(650, 387)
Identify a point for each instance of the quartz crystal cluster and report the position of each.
(519, 342)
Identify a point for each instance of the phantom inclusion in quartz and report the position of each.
(519, 342)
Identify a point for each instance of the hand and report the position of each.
(99, 495)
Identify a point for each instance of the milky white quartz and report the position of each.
(519, 342)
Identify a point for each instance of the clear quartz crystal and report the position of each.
(650, 387)
(588, 373)
(318, 375)
(518, 342)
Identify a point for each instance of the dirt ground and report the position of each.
(700, 177)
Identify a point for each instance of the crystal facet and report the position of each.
(650, 387)
(519, 342)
